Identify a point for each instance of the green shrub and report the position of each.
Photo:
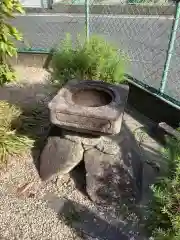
(93, 60)
(164, 218)
(7, 33)
(11, 143)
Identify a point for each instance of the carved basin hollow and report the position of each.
(91, 98)
(93, 107)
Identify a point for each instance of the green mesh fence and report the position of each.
(145, 38)
(141, 28)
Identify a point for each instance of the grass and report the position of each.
(95, 59)
(11, 143)
(18, 130)
(164, 211)
(8, 114)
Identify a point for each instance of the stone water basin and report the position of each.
(93, 107)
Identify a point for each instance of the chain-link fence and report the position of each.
(146, 39)
(148, 31)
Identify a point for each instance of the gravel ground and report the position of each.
(25, 209)
(29, 219)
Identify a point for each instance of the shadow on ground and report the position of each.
(85, 222)
(78, 174)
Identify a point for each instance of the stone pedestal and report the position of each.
(113, 164)
(87, 119)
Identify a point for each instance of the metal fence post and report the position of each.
(50, 4)
(170, 48)
(87, 18)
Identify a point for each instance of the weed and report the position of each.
(7, 33)
(92, 60)
(11, 143)
(164, 212)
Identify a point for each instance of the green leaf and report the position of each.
(12, 51)
(3, 47)
(95, 59)
(19, 8)
(7, 32)
(15, 33)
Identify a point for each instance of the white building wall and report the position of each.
(34, 3)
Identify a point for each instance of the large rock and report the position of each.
(59, 156)
(93, 107)
(115, 178)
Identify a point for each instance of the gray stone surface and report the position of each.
(112, 179)
(108, 146)
(87, 139)
(59, 156)
(104, 119)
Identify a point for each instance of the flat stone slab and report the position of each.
(169, 130)
(59, 156)
(92, 107)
